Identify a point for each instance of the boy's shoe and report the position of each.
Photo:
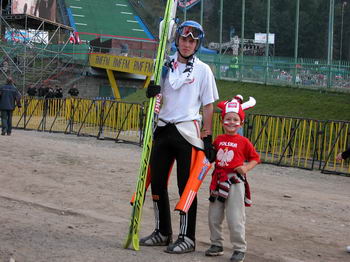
(214, 251)
(156, 239)
(3, 133)
(237, 256)
(182, 245)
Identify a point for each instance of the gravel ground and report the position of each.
(66, 198)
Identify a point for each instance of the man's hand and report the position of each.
(152, 90)
(209, 150)
(339, 157)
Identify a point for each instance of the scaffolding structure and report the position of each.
(250, 47)
(33, 51)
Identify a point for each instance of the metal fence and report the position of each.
(307, 73)
(272, 70)
(104, 119)
(297, 142)
(284, 141)
(301, 72)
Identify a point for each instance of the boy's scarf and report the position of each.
(220, 187)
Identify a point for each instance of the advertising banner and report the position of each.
(25, 36)
(40, 8)
(260, 38)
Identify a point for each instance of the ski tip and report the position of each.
(127, 243)
(136, 243)
(132, 242)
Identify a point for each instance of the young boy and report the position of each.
(229, 188)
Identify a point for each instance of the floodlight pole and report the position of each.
(242, 40)
(221, 17)
(296, 41)
(202, 11)
(330, 42)
(267, 39)
(341, 30)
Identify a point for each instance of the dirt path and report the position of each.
(65, 198)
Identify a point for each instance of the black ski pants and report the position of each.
(168, 146)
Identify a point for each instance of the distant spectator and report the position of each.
(42, 91)
(16, 60)
(4, 66)
(7, 9)
(31, 91)
(9, 98)
(239, 98)
(50, 92)
(124, 49)
(233, 68)
(73, 91)
(58, 92)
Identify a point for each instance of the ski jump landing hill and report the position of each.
(110, 18)
(119, 39)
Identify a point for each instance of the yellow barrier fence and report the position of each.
(297, 142)
(284, 141)
(100, 118)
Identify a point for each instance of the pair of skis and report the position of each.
(152, 113)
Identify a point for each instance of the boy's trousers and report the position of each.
(234, 208)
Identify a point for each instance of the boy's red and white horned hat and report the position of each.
(236, 107)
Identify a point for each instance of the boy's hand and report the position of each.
(241, 169)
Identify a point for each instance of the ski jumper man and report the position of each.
(187, 85)
(229, 189)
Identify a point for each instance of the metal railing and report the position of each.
(297, 142)
(306, 73)
(103, 119)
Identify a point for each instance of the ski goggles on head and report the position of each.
(190, 31)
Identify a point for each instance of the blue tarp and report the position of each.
(203, 50)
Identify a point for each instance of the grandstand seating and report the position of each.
(107, 17)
